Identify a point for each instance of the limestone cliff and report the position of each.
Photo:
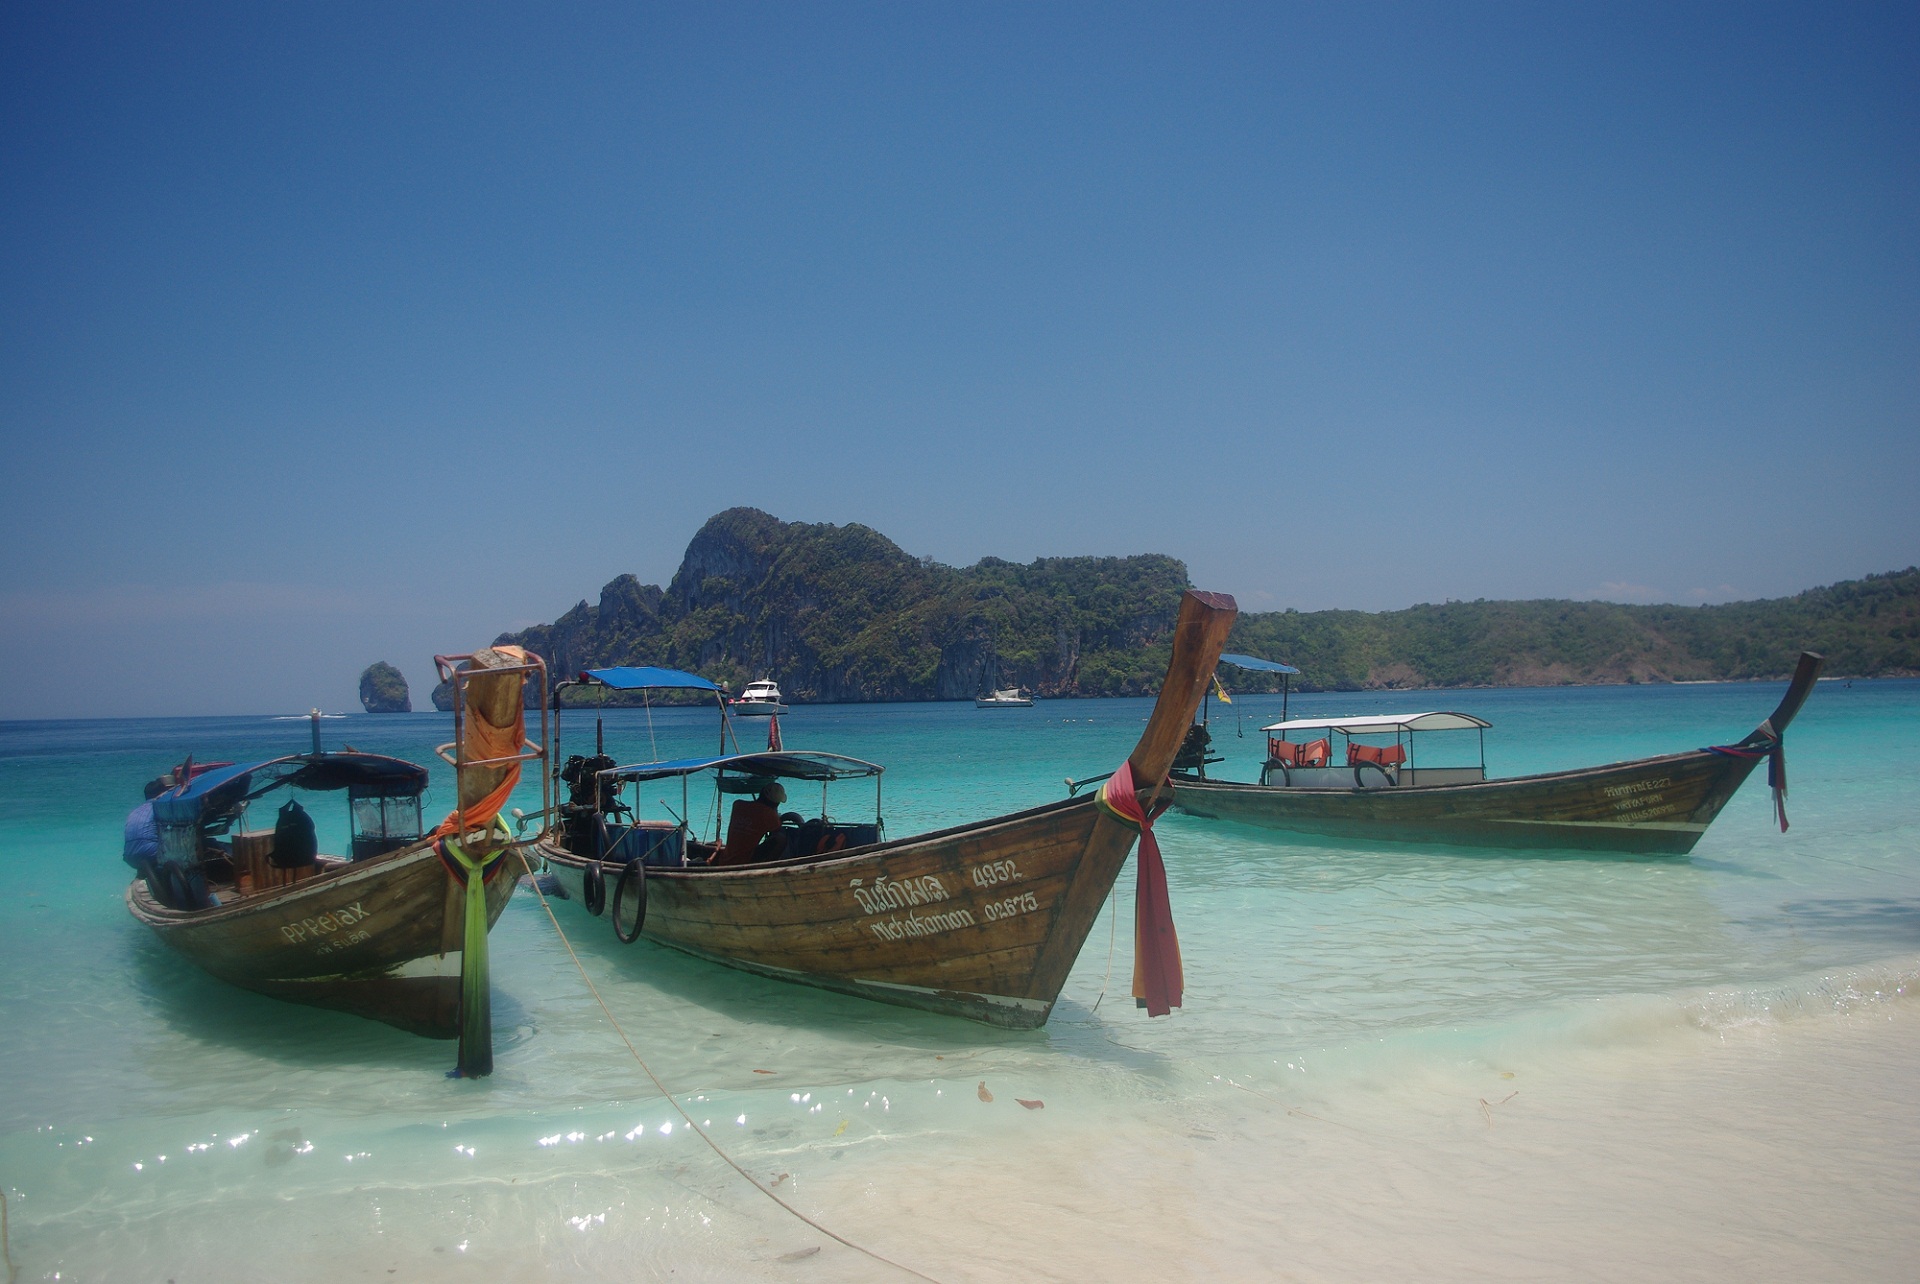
(842, 613)
(384, 690)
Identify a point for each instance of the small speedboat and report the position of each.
(1005, 698)
(759, 700)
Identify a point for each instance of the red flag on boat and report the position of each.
(773, 735)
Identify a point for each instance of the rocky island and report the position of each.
(842, 613)
(384, 690)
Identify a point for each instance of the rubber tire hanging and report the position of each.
(593, 888)
(634, 875)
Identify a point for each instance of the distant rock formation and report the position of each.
(842, 613)
(384, 690)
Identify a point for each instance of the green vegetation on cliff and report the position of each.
(384, 690)
(1864, 627)
(841, 613)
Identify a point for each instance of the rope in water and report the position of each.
(6, 1239)
(681, 1110)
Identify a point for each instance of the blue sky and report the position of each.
(334, 332)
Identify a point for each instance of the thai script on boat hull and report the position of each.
(886, 894)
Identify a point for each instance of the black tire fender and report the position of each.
(593, 888)
(633, 877)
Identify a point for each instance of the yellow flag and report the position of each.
(1221, 691)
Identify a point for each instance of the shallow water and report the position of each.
(1333, 1102)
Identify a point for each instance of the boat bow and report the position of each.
(1769, 739)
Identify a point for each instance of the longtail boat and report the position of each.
(982, 920)
(1650, 806)
(394, 928)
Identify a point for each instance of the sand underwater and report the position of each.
(1419, 1063)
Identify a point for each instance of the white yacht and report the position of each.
(758, 700)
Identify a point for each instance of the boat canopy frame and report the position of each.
(641, 678)
(1255, 664)
(747, 773)
(222, 793)
(1382, 723)
(1401, 726)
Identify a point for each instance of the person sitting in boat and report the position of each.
(175, 886)
(751, 821)
(140, 847)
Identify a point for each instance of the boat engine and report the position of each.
(589, 798)
(1196, 752)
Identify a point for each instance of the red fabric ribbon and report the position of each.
(1157, 977)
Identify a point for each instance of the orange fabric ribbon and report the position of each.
(1158, 980)
(484, 740)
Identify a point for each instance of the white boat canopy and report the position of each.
(1383, 723)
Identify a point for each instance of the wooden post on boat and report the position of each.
(489, 746)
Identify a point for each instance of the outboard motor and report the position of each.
(589, 798)
(1194, 751)
(582, 775)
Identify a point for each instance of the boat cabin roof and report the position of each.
(1379, 723)
(635, 678)
(1257, 664)
(801, 764)
(214, 792)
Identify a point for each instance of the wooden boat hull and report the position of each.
(981, 921)
(379, 938)
(1651, 806)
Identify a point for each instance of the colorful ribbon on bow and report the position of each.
(486, 741)
(475, 1057)
(1775, 752)
(1157, 977)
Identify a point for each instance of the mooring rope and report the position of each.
(681, 1110)
(6, 1240)
(1113, 907)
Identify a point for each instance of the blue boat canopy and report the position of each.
(628, 678)
(1257, 664)
(800, 764)
(213, 792)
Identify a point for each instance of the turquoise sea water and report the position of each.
(155, 1124)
